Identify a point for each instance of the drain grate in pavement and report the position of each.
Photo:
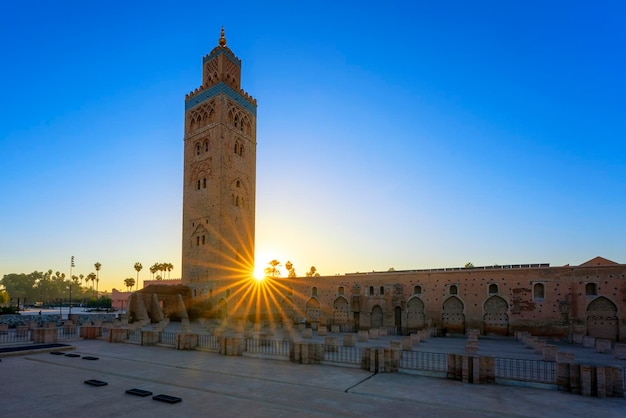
(57, 353)
(166, 398)
(139, 392)
(94, 382)
(72, 355)
(90, 358)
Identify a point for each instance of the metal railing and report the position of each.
(168, 338)
(424, 361)
(537, 371)
(12, 336)
(269, 347)
(68, 332)
(208, 341)
(340, 354)
(134, 336)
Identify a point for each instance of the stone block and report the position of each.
(620, 351)
(315, 325)
(90, 332)
(335, 329)
(549, 352)
(586, 381)
(322, 331)
(574, 378)
(589, 342)
(349, 340)
(577, 338)
(407, 344)
(600, 385)
(44, 335)
(307, 333)
(331, 344)
(150, 337)
(471, 347)
(395, 344)
(382, 332)
(603, 346)
(563, 376)
(302, 327)
(363, 336)
(373, 333)
(186, 341)
(564, 357)
(415, 339)
(118, 335)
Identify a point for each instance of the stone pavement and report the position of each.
(44, 385)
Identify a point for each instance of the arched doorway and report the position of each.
(415, 319)
(312, 310)
(341, 310)
(222, 309)
(452, 317)
(602, 319)
(376, 319)
(496, 318)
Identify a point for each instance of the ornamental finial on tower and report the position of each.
(222, 41)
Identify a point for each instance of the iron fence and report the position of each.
(12, 336)
(168, 338)
(211, 342)
(68, 332)
(134, 336)
(425, 361)
(271, 347)
(538, 371)
(340, 354)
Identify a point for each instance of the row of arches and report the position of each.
(201, 116)
(602, 318)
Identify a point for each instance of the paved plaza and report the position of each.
(209, 384)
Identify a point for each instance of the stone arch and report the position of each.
(415, 318)
(313, 310)
(452, 317)
(222, 309)
(341, 310)
(376, 318)
(496, 318)
(602, 319)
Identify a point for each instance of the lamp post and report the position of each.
(71, 267)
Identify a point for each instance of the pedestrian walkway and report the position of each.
(44, 385)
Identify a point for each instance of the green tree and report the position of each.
(469, 265)
(272, 270)
(129, 282)
(138, 268)
(291, 271)
(98, 266)
(312, 272)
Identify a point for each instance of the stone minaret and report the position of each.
(219, 175)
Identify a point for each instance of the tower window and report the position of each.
(417, 290)
(198, 186)
(538, 292)
(371, 290)
(206, 146)
(454, 290)
(197, 149)
(237, 183)
(382, 290)
(204, 183)
(340, 291)
(493, 289)
(202, 239)
(197, 241)
(314, 291)
(590, 289)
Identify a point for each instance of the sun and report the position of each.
(259, 273)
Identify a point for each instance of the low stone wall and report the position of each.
(78, 319)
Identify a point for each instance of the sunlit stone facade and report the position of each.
(219, 175)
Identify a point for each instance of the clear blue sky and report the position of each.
(395, 134)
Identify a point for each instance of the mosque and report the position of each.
(218, 252)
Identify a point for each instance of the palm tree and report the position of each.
(138, 267)
(98, 266)
(129, 282)
(153, 269)
(169, 267)
(91, 276)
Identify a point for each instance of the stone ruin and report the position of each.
(155, 303)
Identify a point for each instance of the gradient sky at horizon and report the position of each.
(410, 135)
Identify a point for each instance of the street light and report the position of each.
(71, 267)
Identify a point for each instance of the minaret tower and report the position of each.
(219, 175)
